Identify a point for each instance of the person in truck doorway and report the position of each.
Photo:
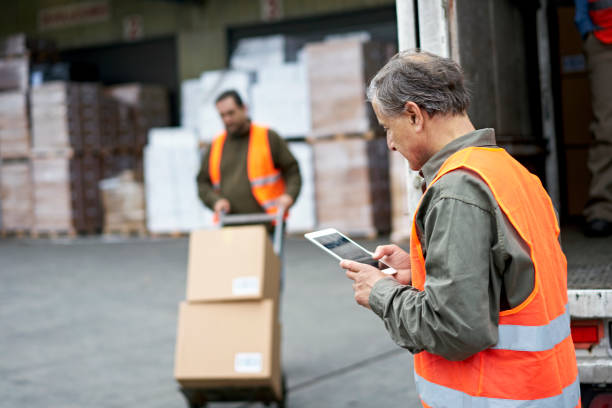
(481, 298)
(248, 168)
(594, 21)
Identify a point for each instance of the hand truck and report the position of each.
(200, 397)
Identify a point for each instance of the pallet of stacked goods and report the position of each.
(124, 204)
(15, 167)
(66, 158)
(57, 192)
(135, 109)
(350, 154)
(172, 161)
(149, 104)
(355, 168)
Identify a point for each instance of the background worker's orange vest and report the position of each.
(267, 184)
(600, 12)
(533, 363)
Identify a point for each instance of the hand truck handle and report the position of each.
(258, 218)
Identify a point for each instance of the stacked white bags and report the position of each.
(171, 164)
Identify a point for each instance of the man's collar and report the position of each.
(480, 137)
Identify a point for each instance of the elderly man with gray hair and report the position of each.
(481, 298)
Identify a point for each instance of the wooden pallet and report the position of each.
(89, 231)
(125, 231)
(13, 156)
(43, 153)
(52, 234)
(15, 233)
(169, 234)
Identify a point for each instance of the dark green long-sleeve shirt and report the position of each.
(235, 185)
(476, 265)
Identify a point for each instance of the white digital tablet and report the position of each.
(341, 247)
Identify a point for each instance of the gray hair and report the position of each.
(434, 83)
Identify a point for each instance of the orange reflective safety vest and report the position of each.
(533, 363)
(600, 12)
(267, 184)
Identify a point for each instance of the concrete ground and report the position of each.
(91, 322)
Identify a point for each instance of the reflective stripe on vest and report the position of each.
(266, 181)
(600, 12)
(438, 396)
(262, 181)
(534, 338)
(534, 360)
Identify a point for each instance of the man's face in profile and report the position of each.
(234, 117)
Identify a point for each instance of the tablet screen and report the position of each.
(345, 249)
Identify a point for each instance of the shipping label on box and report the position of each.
(248, 362)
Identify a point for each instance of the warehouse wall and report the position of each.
(200, 27)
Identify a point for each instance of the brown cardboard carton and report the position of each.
(338, 72)
(232, 264)
(16, 195)
(228, 344)
(357, 168)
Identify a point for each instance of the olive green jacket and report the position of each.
(235, 185)
(476, 265)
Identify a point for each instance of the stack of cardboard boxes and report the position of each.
(228, 336)
(66, 141)
(83, 133)
(15, 169)
(350, 156)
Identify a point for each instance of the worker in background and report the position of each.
(594, 21)
(481, 299)
(248, 168)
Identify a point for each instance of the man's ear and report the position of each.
(414, 114)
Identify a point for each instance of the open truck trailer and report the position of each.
(524, 64)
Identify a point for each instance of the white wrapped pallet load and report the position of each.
(302, 216)
(254, 53)
(192, 98)
(280, 99)
(171, 163)
(213, 83)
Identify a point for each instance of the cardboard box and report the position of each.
(57, 190)
(231, 264)
(14, 125)
(55, 116)
(16, 194)
(355, 168)
(124, 203)
(338, 72)
(14, 73)
(228, 344)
